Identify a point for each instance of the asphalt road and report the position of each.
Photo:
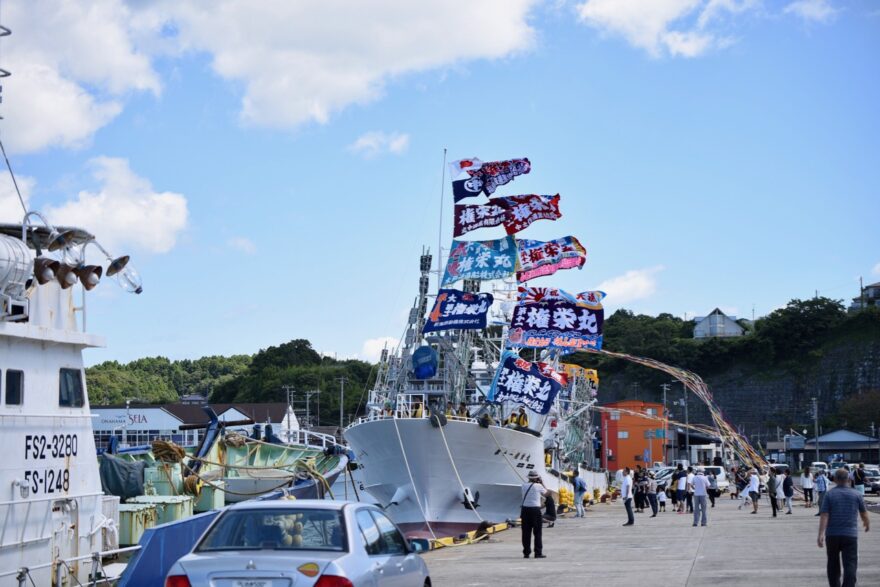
(736, 548)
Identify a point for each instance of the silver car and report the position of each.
(302, 543)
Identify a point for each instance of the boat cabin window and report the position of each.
(70, 389)
(14, 387)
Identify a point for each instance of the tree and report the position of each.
(859, 411)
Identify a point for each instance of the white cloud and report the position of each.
(72, 66)
(242, 244)
(636, 284)
(125, 211)
(876, 269)
(372, 348)
(660, 27)
(375, 143)
(10, 206)
(812, 10)
(303, 61)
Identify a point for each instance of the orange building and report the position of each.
(629, 440)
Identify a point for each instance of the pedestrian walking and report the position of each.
(788, 491)
(580, 489)
(821, 488)
(754, 489)
(858, 478)
(549, 515)
(699, 486)
(661, 500)
(690, 494)
(839, 529)
(772, 484)
(713, 487)
(652, 494)
(807, 486)
(626, 493)
(780, 494)
(530, 515)
(639, 489)
(680, 478)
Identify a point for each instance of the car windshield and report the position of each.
(872, 472)
(276, 529)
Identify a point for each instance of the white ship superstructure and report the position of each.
(51, 504)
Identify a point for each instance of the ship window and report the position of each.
(70, 389)
(14, 387)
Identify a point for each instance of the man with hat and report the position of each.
(700, 489)
(530, 515)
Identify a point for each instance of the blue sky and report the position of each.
(275, 171)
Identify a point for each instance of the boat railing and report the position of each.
(308, 438)
(63, 565)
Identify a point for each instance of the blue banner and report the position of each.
(480, 260)
(534, 385)
(557, 324)
(455, 309)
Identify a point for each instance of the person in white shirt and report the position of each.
(699, 486)
(530, 515)
(754, 489)
(680, 487)
(807, 486)
(626, 494)
(780, 491)
(689, 498)
(661, 500)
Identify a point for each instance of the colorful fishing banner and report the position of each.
(537, 295)
(487, 177)
(538, 258)
(556, 325)
(468, 218)
(523, 210)
(578, 372)
(480, 260)
(533, 385)
(455, 309)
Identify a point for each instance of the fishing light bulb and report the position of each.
(129, 280)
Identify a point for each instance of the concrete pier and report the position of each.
(736, 548)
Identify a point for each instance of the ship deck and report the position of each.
(736, 548)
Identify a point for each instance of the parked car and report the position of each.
(819, 467)
(872, 479)
(838, 465)
(307, 543)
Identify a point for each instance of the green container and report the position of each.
(211, 498)
(169, 508)
(165, 478)
(134, 520)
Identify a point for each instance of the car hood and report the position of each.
(281, 566)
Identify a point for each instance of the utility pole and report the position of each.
(342, 381)
(665, 387)
(309, 395)
(816, 426)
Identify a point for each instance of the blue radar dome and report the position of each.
(425, 361)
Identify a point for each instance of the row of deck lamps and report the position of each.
(72, 267)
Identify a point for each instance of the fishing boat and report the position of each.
(438, 448)
(57, 524)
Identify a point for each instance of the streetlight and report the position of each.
(687, 431)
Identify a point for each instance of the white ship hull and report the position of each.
(405, 466)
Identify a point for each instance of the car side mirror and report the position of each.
(418, 545)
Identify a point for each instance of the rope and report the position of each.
(504, 454)
(457, 476)
(409, 472)
(167, 451)
(17, 191)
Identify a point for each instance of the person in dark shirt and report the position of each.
(838, 527)
(788, 490)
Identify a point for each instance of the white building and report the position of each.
(717, 324)
(869, 298)
(140, 424)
